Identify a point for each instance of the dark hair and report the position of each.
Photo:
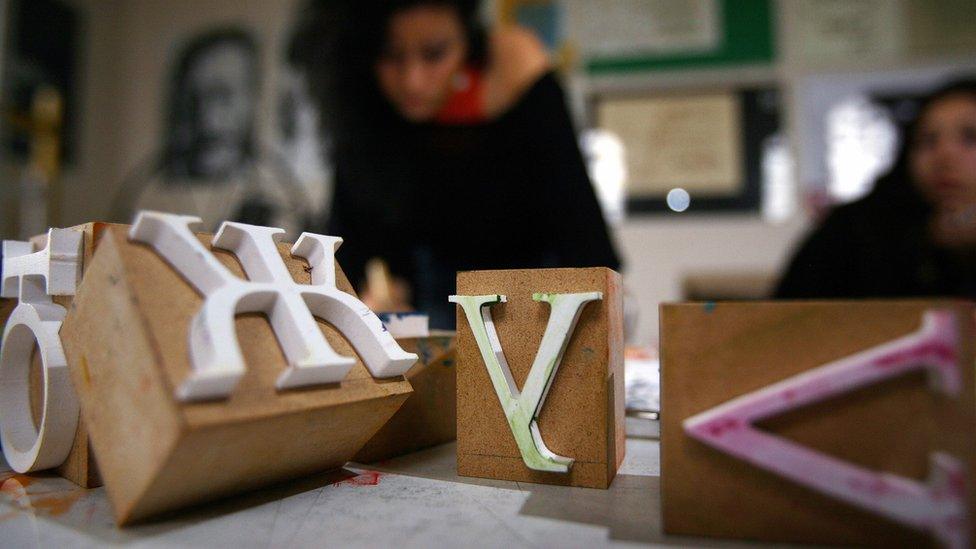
(180, 147)
(338, 44)
(956, 87)
(895, 187)
(373, 23)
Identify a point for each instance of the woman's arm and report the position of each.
(517, 60)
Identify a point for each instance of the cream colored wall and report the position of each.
(87, 184)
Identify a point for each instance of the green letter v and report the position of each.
(522, 407)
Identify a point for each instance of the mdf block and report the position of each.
(429, 416)
(540, 375)
(162, 446)
(820, 422)
(58, 267)
(80, 466)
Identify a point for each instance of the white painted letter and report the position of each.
(33, 278)
(937, 506)
(214, 351)
(522, 408)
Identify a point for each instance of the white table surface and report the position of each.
(413, 501)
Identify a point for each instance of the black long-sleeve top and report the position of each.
(433, 199)
(878, 247)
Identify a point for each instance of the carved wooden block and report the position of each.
(178, 412)
(820, 422)
(39, 406)
(540, 375)
(429, 416)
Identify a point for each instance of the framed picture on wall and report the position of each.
(704, 145)
(637, 36)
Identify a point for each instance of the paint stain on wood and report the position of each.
(366, 478)
(85, 372)
(22, 481)
(15, 485)
(55, 506)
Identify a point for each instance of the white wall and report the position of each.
(660, 253)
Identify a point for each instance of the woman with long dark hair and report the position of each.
(915, 234)
(453, 147)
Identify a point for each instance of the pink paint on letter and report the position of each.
(938, 506)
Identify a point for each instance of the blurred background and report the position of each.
(715, 131)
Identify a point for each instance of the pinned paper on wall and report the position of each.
(692, 150)
(616, 27)
(837, 29)
(691, 140)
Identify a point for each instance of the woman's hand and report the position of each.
(383, 292)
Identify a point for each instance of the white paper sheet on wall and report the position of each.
(615, 27)
(688, 141)
(840, 29)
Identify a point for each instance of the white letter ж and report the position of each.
(215, 354)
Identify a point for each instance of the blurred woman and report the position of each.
(915, 234)
(453, 149)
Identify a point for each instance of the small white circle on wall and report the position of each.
(678, 199)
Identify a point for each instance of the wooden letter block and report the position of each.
(820, 422)
(172, 428)
(38, 407)
(540, 375)
(429, 416)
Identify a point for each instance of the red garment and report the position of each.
(466, 104)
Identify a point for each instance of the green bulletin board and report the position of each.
(747, 39)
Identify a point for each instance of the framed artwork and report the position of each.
(707, 143)
(209, 162)
(609, 29)
(213, 99)
(627, 36)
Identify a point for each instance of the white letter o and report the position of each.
(26, 447)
